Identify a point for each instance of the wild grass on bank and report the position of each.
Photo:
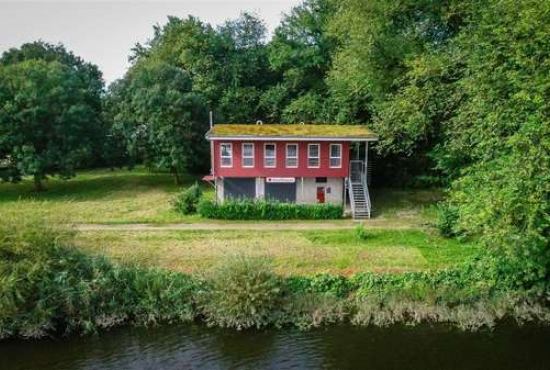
(47, 287)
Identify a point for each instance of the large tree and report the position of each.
(161, 118)
(46, 120)
(301, 54)
(89, 75)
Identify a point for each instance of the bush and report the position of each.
(242, 293)
(186, 201)
(47, 286)
(264, 210)
(447, 220)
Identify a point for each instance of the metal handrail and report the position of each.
(351, 197)
(360, 174)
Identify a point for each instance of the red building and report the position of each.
(292, 163)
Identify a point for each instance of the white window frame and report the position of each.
(230, 156)
(330, 157)
(296, 157)
(310, 157)
(274, 155)
(243, 156)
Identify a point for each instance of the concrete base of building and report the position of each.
(309, 190)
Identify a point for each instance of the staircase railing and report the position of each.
(367, 195)
(351, 196)
(358, 172)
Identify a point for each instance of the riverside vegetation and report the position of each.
(48, 287)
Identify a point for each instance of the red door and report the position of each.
(320, 194)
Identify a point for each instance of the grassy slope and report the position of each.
(100, 196)
(300, 252)
(138, 196)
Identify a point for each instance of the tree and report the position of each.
(502, 133)
(45, 120)
(161, 118)
(88, 74)
(301, 54)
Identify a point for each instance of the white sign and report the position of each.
(281, 180)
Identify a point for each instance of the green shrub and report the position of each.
(187, 200)
(327, 284)
(48, 287)
(242, 293)
(265, 210)
(447, 220)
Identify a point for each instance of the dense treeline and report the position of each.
(457, 90)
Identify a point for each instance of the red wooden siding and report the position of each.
(280, 170)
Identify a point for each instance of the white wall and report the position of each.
(260, 188)
(219, 188)
(306, 191)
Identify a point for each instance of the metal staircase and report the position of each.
(358, 190)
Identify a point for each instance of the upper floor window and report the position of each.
(335, 155)
(313, 155)
(270, 155)
(291, 155)
(226, 155)
(248, 155)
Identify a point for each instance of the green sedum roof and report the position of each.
(288, 130)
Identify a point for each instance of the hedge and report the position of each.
(264, 210)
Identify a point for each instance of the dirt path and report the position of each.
(242, 226)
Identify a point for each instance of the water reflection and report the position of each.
(196, 347)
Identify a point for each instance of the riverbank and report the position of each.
(51, 288)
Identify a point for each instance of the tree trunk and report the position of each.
(177, 177)
(38, 186)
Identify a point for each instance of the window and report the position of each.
(321, 180)
(270, 155)
(291, 155)
(313, 156)
(248, 155)
(226, 155)
(335, 155)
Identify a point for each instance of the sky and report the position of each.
(103, 32)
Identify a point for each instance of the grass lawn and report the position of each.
(402, 242)
(101, 196)
(140, 196)
(297, 252)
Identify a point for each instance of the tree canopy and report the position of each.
(50, 107)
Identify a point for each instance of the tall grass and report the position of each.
(48, 287)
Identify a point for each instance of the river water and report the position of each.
(197, 347)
